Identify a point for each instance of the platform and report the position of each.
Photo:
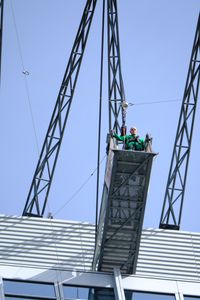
(122, 210)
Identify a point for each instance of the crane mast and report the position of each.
(116, 93)
(42, 179)
(175, 189)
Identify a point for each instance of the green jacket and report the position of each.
(131, 141)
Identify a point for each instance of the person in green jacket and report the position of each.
(131, 141)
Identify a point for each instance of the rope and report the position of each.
(79, 189)
(100, 117)
(1, 34)
(154, 102)
(25, 73)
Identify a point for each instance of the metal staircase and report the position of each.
(122, 209)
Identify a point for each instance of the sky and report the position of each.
(156, 39)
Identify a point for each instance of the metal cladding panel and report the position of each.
(46, 243)
(122, 211)
(64, 245)
(169, 254)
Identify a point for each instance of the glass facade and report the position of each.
(90, 293)
(130, 295)
(31, 290)
(191, 298)
(28, 290)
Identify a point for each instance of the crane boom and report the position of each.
(41, 183)
(175, 189)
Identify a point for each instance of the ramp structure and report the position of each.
(122, 210)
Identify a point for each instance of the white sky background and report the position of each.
(156, 40)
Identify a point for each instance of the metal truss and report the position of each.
(174, 195)
(1, 31)
(127, 215)
(116, 92)
(122, 210)
(39, 190)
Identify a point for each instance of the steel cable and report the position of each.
(100, 118)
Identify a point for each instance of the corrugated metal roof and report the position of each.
(53, 244)
(47, 243)
(172, 254)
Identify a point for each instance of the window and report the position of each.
(191, 298)
(89, 293)
(28, 290)
(130, 295)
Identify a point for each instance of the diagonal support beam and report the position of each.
(38, 193)
(175, 189)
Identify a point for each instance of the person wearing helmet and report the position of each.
(131, 141)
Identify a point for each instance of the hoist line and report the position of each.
(155, 102)
(100, 118)
(79, 189)
(1, 34)
(17, 35)
(37, 197)
(25, 80)
(58, 272)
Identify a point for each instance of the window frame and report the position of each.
(26, 296)
(191, 296)
(87, 287)
(151, 293)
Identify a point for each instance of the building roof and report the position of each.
(68, 245)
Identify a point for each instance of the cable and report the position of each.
(100, 117)
(1, 34)
(154, 102)
(25, 73)
(79, 189)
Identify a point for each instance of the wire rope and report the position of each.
(100, 118)
(1, 34)
(79, 189)
(99, 139)
(154, 102)
(25, 73)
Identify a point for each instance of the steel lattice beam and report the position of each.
(116, 92)
(1, 31)
(39, 190)
(174, 195)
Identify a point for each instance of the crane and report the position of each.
(127, 173)
(42, 179)
(176, 183)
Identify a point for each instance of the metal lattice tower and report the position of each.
(116, 92)
(174, 195)
(39, 190)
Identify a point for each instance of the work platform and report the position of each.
(122, 210)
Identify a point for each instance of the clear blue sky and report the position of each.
(156, 40)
